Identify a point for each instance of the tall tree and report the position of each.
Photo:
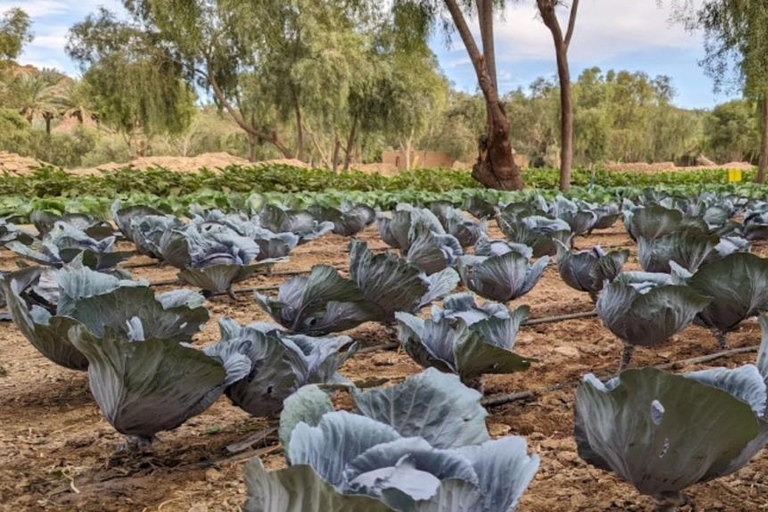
(495, 166)
(263, 61)
(134, 81)
(547, 10)
(736, 42)
(15, 32)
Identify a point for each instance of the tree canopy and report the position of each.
(133, 82)
(15, 26)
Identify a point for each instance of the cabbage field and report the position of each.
(459, 351)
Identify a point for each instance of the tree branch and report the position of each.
(485, 20)
(222, 99)
(484, 80)
(571, 24)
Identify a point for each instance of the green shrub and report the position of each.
(14, 132)
(61, 149)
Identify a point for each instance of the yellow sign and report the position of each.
(734, 175)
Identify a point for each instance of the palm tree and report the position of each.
(37, 96)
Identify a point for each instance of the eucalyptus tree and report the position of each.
(562, 41)
(495, 166)
(736, 43)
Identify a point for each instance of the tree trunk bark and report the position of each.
(336, 149)
(350, 144)
(299, 131)
(409, 152)
(562, 43)
(566, 119)
(763, 166)
(495, 166)
(485, 18)
(252, 143)
(323, 156)
(275, 141)
(48, 120)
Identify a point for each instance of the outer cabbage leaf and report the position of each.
(432, 253)
(147, 386)
(9, 232)
(392, 284)
(348, 220)
(489, 247)
(738, 285)
(46, 333)
(537, 232)
(690, 249)
(307, 405)
(279, 364)
(658, 430)
(504, 471)
(299, 488)
(44, 222)
(450, 343)
(587, 271)
(123, 217)
(320, 303)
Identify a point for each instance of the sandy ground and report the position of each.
(57, 453)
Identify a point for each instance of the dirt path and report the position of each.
(57, 453)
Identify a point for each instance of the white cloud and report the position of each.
(605, 29)
(37, 8)
(50, 38)
(40, 10)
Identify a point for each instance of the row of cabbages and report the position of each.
(216, 250)
(135, 344)
(212, 250)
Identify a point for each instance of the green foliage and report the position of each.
(61, 149)
(49, 182)
(15, 32)
(618, 116)
(134, 83)
(14, 131)
(98, 205)
(732, 133)
(736, 41)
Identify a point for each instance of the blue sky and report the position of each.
(620, 34)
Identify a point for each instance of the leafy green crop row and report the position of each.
(19, 207)
(53, 182)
